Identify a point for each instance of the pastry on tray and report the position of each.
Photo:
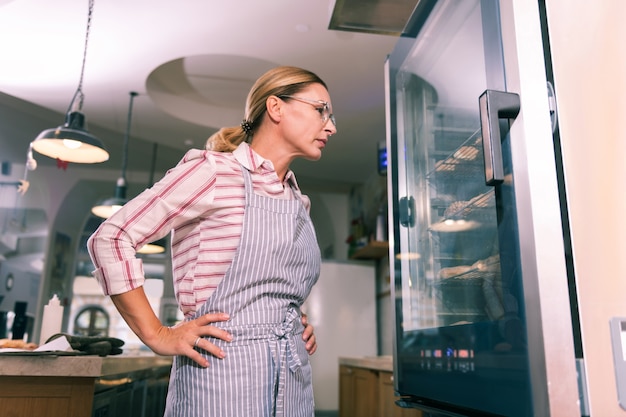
(454, 271)
(487, 265)
(17, 344)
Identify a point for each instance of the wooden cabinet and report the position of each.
(48, 385)
(365, 392)
(46, 396)
(358, 392)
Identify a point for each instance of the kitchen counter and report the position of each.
(64, 386)
(80, 366)
(376, 363)
(50, 365)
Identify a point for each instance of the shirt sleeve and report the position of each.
(183, 195)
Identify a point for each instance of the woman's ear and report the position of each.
(273, 107)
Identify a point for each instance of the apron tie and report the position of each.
(285, 334)
(284, 346)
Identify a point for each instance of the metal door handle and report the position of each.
(495, 105)
(406, 211)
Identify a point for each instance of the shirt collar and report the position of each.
(254, 162)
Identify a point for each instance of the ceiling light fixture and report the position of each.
(71, 142)
(106, 208)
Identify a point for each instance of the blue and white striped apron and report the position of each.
(266, 371)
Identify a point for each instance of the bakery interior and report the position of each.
(159, 78)
(155, 80)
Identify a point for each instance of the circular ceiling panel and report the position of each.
(208, 90)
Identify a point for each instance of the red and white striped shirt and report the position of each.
(201, 201)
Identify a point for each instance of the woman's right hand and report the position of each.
(183, 338)
(177, 340)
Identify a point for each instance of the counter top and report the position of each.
(377, 363)
(81, 366)
(50, 365)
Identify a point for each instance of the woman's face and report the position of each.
(308, 122)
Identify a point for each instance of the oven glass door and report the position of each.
(460, 329)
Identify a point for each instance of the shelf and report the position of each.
(373, 250)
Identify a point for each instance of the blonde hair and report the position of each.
(279, 81)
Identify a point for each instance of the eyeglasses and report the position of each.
(324, 110)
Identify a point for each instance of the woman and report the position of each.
(244, 257)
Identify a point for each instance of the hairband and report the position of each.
(246, 126)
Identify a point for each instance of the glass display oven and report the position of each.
(462, 344)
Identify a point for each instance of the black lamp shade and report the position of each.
(106, 208)
(71, 142)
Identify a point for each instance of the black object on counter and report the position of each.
(92, 345)
(3, 324)
(19, 321)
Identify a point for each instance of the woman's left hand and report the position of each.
(308, 336)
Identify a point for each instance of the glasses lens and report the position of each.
(325, 112)
(328, 115)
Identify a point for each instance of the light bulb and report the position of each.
(72, 144)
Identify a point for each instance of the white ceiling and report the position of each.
(193, 61)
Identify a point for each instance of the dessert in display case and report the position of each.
(463, 234)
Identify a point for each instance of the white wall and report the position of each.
(589, 58)
(329, 213)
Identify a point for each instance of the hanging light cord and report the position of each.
(127, 135)
(153, 165)
(79, 90)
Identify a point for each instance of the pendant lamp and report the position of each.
(71, 142)
(106, 208)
